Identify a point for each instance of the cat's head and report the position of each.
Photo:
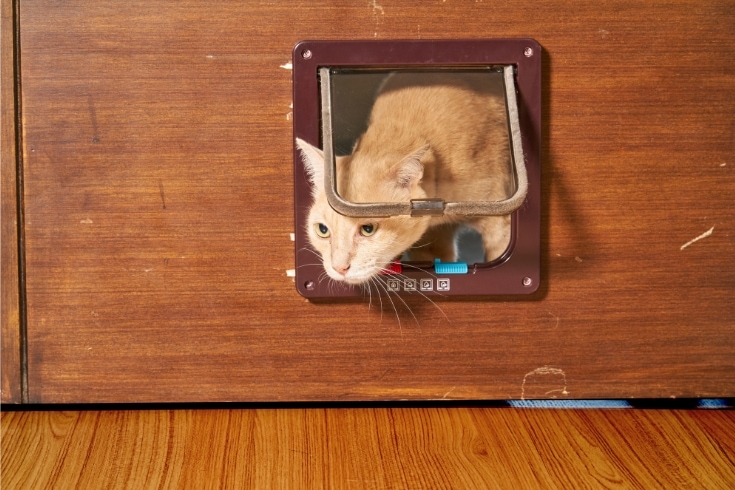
(354, 250)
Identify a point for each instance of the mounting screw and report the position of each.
(309, 285)
(527, 281)
(306, 54)
(528, 51)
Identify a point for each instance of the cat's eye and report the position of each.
(321, 230)
(368, 229)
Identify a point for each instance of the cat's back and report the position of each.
(461, 117)
(446, 90)
(479, 83)
(441, 107)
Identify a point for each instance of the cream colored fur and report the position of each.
(429, 135)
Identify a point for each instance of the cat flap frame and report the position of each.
(518, 270)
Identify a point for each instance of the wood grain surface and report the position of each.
(369, 448)
(157, 153)
(9, 278)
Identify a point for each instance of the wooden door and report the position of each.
(156, 153)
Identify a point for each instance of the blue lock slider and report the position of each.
(450, 267)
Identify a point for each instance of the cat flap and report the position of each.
(409, 169)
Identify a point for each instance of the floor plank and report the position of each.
(435, 447)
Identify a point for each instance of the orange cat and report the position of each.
(429, 135)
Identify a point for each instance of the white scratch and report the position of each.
(210, 56)
(723, 164)
(377, 9)
(557, 319)
(288, 116)
(86, 221)
(703, 235)
(578, 259)
(291, 273)
(147, 270)
(603, 33)
(293, 236)
(287, 66)
(448, 392)
(544, 371)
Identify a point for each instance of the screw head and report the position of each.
(527, 281)
(306, 54)
(528, 52)
(310, 285)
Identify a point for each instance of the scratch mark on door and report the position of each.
(378, 12)
(703, 235)
(544, 371)
(163, 195)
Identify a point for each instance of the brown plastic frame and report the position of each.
(518, 270)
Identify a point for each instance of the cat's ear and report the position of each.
(409, 171)
(313, 159)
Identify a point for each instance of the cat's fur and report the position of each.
(429, 135)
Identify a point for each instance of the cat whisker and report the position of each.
(367, 288)
(427, 272)
(380, 284)
(308, 265)
(370, 294)
(307, 249)
(414, 246)
(411, 266)
(322, 277)
(398, 317)
(331, 285)
(426, 297)
(404, 302)
(380, 298)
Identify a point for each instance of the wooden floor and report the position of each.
(369, 448)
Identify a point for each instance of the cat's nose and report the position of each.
(342, 269)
